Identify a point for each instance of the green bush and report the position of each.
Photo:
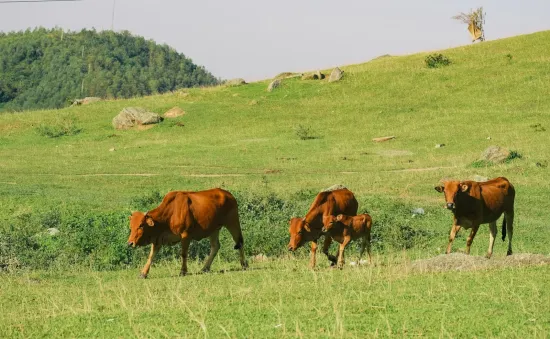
(62, 128)
(513, 155)
(304, 133)
(99, 240)
(436, 60)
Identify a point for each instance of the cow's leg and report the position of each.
(234, 227)
(145, 270)
(326, 246)
(492, 236)
(454, 231)
(214, 247)
(313, 253)
(365, 244)
(185, 241)
(471, 237)
(509, 229)
(343, 245)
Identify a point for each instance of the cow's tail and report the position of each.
(504, 228)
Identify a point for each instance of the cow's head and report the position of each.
(298, 230)
(452, 189)
(329, 221)
(140, 223)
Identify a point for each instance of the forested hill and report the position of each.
(44, 68)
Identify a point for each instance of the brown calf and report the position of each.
(185, 216)
(474, 203)
(310, 227)
(344, 228)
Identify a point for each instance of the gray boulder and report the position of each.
(313, 76)
(85, 101)
(480, 178)
(235, 82)
(495, 154)
(287, 75)
(133, 116)
(52, 231)
(334, 188)
(336, 75)
(274, 84)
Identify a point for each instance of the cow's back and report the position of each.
(345, 203)
(212, 205)
(498, 195)
(340, 201)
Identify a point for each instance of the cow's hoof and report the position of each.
(509, 252)
(488, 255)
(183, 274)
(142, 276)
(205, 270)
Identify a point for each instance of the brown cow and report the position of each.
(309, 228)
(345, 228)
(184, 216)
(474, 203)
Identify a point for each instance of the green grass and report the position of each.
(245, 140)
(279, 299)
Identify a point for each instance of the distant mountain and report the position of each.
(46, 68)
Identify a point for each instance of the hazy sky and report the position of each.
(256, 39)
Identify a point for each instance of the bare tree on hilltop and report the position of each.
(475, 20)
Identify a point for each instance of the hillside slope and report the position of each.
(244, 139)
(48, 68)
(247, 140)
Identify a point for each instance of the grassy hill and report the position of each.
(245, 140)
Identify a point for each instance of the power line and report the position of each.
(23, 1)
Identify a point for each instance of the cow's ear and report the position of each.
(149, 221)
(439, 188)
(339, 217)
(464, 187)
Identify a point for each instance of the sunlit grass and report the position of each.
(244, 139)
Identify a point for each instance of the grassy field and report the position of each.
(246, 140)
(279, 299)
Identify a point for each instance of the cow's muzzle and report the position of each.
(131, 244)
(450, 206)
(291, 249)
(324, 230)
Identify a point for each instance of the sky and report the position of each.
(257, 39)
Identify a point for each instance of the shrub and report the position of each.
(61, 128)
(436, 60)
(513, 155)
(304, 133)
(98, 239)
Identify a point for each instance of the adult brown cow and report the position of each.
(183, 216)
(474, 203)
(345, 228)
(309, 228)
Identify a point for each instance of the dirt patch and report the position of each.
(144, 127)
(272, 171)
(463, 262)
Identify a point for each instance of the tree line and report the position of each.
(48, 68)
